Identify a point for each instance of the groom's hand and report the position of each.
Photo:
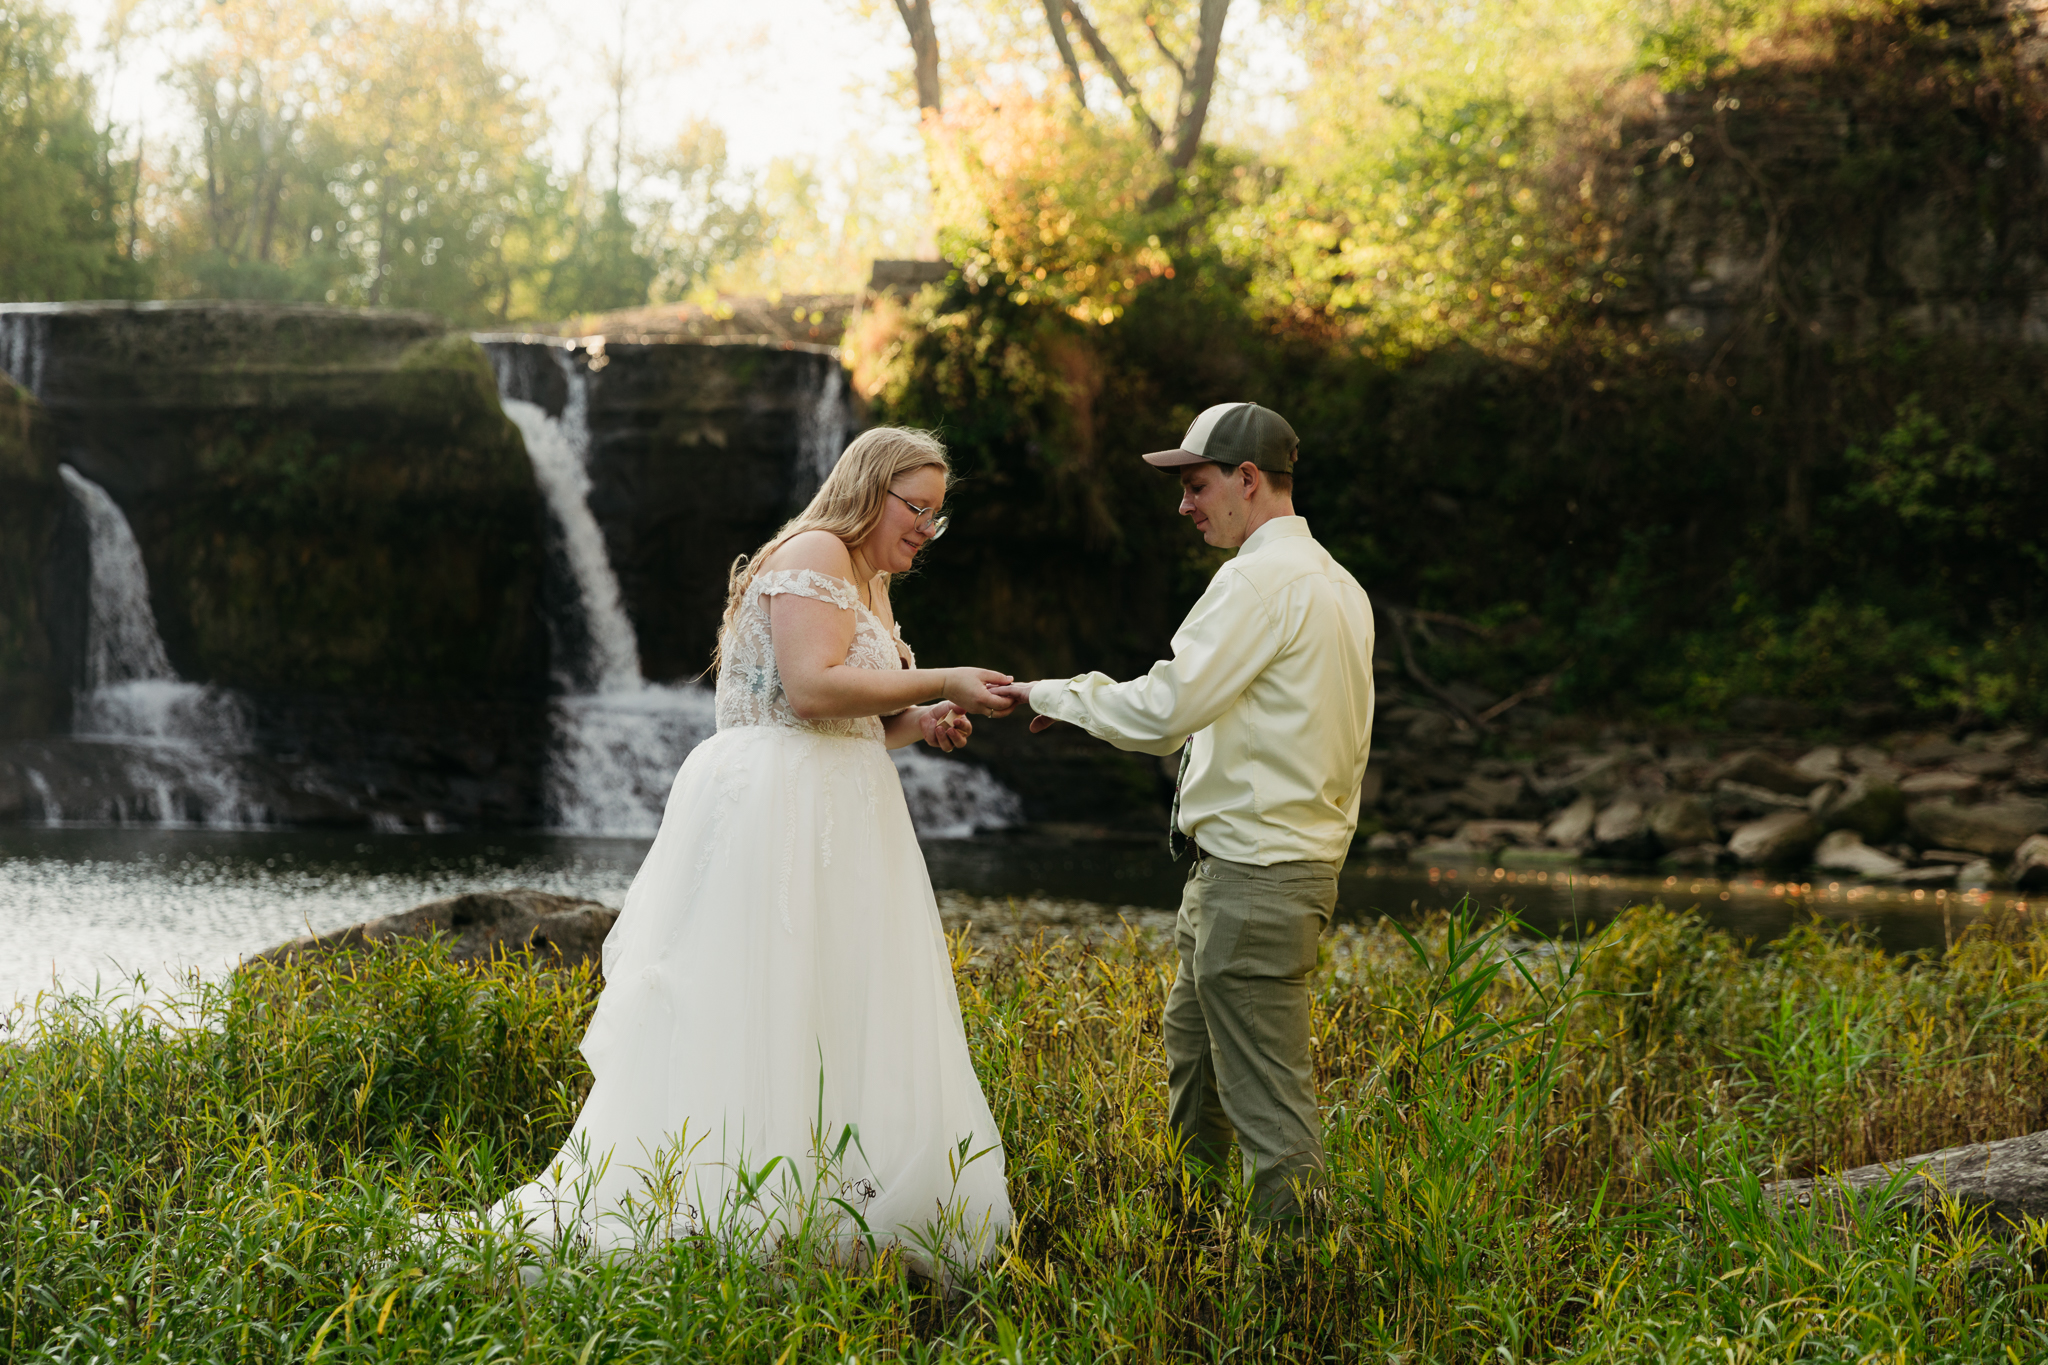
(1018, 694)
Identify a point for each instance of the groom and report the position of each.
(1269, 693)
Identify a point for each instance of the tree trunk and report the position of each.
(1055, 21)
(135, 189)
(924, 46)
(1194, 96)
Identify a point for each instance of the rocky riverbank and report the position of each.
(1916, 808)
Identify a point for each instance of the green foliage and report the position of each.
(1533, 1155)
(70, 200)
(1474, 302)
(1936, 485)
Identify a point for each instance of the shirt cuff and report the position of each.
(1045, 693)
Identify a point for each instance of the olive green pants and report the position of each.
(1237, 1026)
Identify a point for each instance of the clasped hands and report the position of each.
(974, 692)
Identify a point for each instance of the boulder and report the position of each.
(1755, 768)
(1781, 838)
(2007, 1179)
(1679, 821)
(561, 931)
(2030, 864)
(1818, 765)
(1870, 805)
(1489, 797)
(1927, 752)
(1984, 765)
(1942, 782)
(1573, 825)
(1699, 857)
(1843, 850)
(1873, 763)
(1996, 828)
(1389, 842)
(1495, 834)
(1622, 830)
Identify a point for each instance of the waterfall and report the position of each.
(617, 739)
(821, 433)
(25, 345)
(179, 737)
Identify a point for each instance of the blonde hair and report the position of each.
(849, 503)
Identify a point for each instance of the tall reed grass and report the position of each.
(1537, 1152)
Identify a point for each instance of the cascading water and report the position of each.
(180, 738)
(617, 738)
(821, 434)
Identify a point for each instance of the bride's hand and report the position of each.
(1019, 694)
(946, 727)
(968, 689)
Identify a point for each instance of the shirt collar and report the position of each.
(1276, 529)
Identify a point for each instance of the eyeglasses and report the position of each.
(932, 526)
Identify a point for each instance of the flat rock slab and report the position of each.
(561, 931)
(2008, 1177)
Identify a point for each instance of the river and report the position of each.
(92, 908)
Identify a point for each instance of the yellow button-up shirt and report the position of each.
(1272, 675)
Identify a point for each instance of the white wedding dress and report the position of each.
(778, 1051)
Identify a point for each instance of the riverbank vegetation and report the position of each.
(1666, 355)
(1675, 357)
(1550, 1156)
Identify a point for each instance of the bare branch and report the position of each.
(1058, 25)
(1108, 62)
(1159, 41)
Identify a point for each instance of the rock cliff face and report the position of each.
(698, 452)
(347, 573)
(33, 699)
(337, 521)
(1870, 175)
(328, 501)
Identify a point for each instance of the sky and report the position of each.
(783, 78)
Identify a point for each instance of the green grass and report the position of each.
(1552, 1157)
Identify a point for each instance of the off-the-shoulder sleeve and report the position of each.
(808, 583)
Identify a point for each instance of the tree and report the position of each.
(264, 92)
(1197, 78)
(59, 231)
(924, 49)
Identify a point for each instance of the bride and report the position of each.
(778, 1052)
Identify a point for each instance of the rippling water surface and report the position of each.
(86, 906)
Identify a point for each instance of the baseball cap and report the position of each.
(1230, 434)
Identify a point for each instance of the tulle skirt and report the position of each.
(778, 1052)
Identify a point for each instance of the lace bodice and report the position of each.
(749, 688)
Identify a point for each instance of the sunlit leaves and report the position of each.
(1061, 207)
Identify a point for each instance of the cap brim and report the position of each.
(1169, 459)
